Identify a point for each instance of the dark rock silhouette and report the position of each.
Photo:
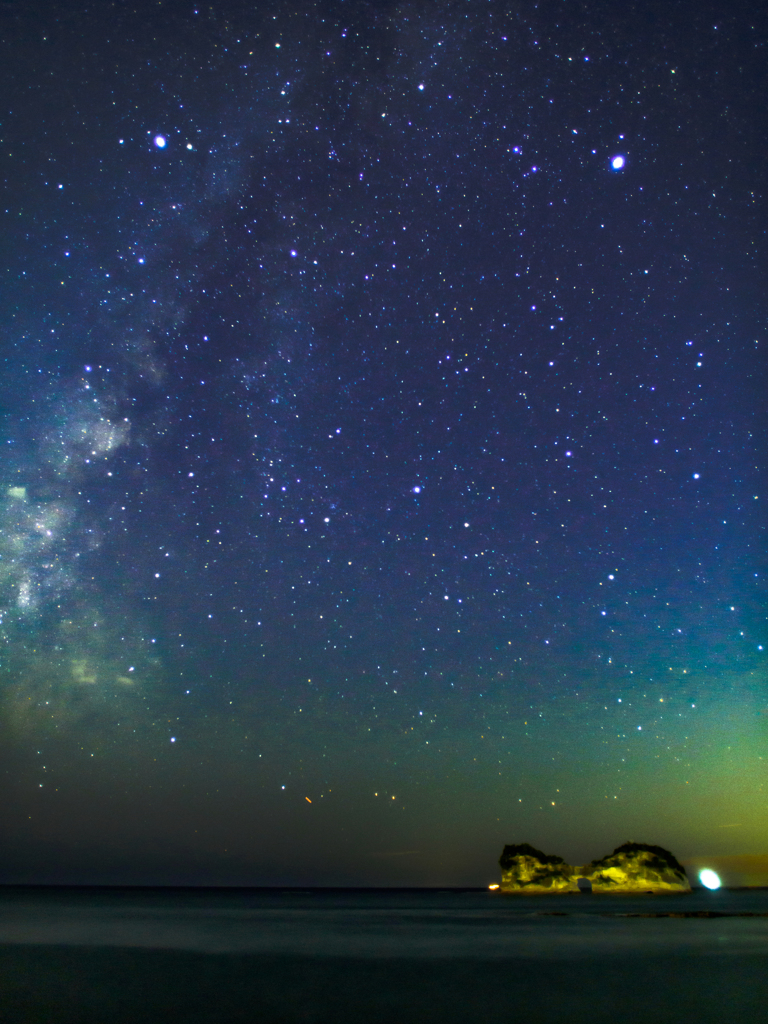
(632, 867)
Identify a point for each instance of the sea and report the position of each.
(342, 956)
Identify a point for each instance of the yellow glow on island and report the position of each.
(493, 887)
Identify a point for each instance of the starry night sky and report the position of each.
(382, 430)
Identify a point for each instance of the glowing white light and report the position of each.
(617, 163)
(710, 879)
(421, 88)
(160, 141)
(417, 490)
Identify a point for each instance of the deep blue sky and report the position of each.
(382, 438)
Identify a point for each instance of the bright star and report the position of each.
(160, 141)
(617, 163)
(710, 879)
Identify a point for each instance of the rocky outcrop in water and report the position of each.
(631, 868)
(524, 868)
(637, 867)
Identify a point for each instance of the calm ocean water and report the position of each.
(384, 923)
(380, 955)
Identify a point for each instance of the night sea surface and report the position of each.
(318, 955)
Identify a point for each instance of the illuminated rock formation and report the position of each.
(637, 867)
(526, 869)
(631, 868)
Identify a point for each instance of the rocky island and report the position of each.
(631, 868)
